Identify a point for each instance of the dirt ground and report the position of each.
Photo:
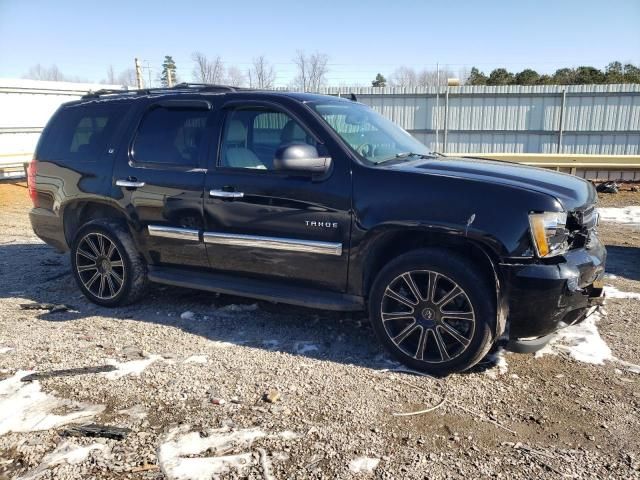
(210, 360)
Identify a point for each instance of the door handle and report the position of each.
(225, 194)
(129, 183)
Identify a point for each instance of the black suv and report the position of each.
(317, 201)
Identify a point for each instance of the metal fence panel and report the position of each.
(595, 119)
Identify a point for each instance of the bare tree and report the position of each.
(111, 76)
(235, 77)
(404, 77)
(463, 75)
(127, 78)
(312, 70)
(38, 72)
(261, 74)
(207, 70)
(408, 77)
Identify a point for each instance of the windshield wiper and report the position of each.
(409, 154)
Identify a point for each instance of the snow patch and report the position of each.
(230, 451)
(187, 315)
(135, 367)
(613, 292)
(137, 412)
(66, 452)
(499, 365)
(196, 359)
(24, 407)
(626, 215)
(305, 347)
(5, 349)
(363, 464)
(583, 343)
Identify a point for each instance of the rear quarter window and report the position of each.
(170, 136)
(80, 133)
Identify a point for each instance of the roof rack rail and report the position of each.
(196, 87)
(204, 87)
(113, 91)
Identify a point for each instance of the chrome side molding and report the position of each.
(225, 194)
(273, 243)
(129, 183)
(174, 233)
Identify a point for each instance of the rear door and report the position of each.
(160, 178)
(272, 224)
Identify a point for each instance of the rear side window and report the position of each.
(170, 136)
(81, 133)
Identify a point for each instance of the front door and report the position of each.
(268, 223)
(161, 180)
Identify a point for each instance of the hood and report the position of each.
(573, 192)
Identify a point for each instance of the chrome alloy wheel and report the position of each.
(100, 266)
(427, 316)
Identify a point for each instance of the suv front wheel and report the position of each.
(106, 264)
(432, 311)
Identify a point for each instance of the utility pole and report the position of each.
(437, 106)
(139, 81)
(170, 77)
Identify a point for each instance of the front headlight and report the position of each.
(549, 233)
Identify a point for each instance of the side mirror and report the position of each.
(300, 157)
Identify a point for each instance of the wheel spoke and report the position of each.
(444, 355)
(101, 244)
(117, 264)
(92, 246)
(112, 288)
(112, 247)
(86, 268)
(102, 285)
(433, 280)
(116, 277)
(455, 334)
(449, 296)
(397, 316)
(87, 255)
(422, 342)
(408, 279)
(92, 280)
(458, 315)
(408, 330)
(396, 296)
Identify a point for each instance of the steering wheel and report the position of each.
(366, 150)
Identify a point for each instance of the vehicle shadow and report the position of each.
(35, 273)
(623, 261)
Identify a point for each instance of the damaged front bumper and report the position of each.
(542, 298)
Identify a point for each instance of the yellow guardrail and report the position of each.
(564, 160)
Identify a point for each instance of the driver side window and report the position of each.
(251, 137)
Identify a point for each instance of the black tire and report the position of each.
(124, 262)
(423, 326)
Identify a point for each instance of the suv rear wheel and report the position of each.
(432, 311)
(106, 264)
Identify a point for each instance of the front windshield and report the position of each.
(373, 137)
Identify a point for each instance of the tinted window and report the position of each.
(170, 136)
(251, 137)
(81, 133)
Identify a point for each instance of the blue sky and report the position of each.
(361, 38)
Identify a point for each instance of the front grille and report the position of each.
(582, 226)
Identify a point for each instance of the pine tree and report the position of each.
(379, 81)
(168, 77)
(476, 77)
